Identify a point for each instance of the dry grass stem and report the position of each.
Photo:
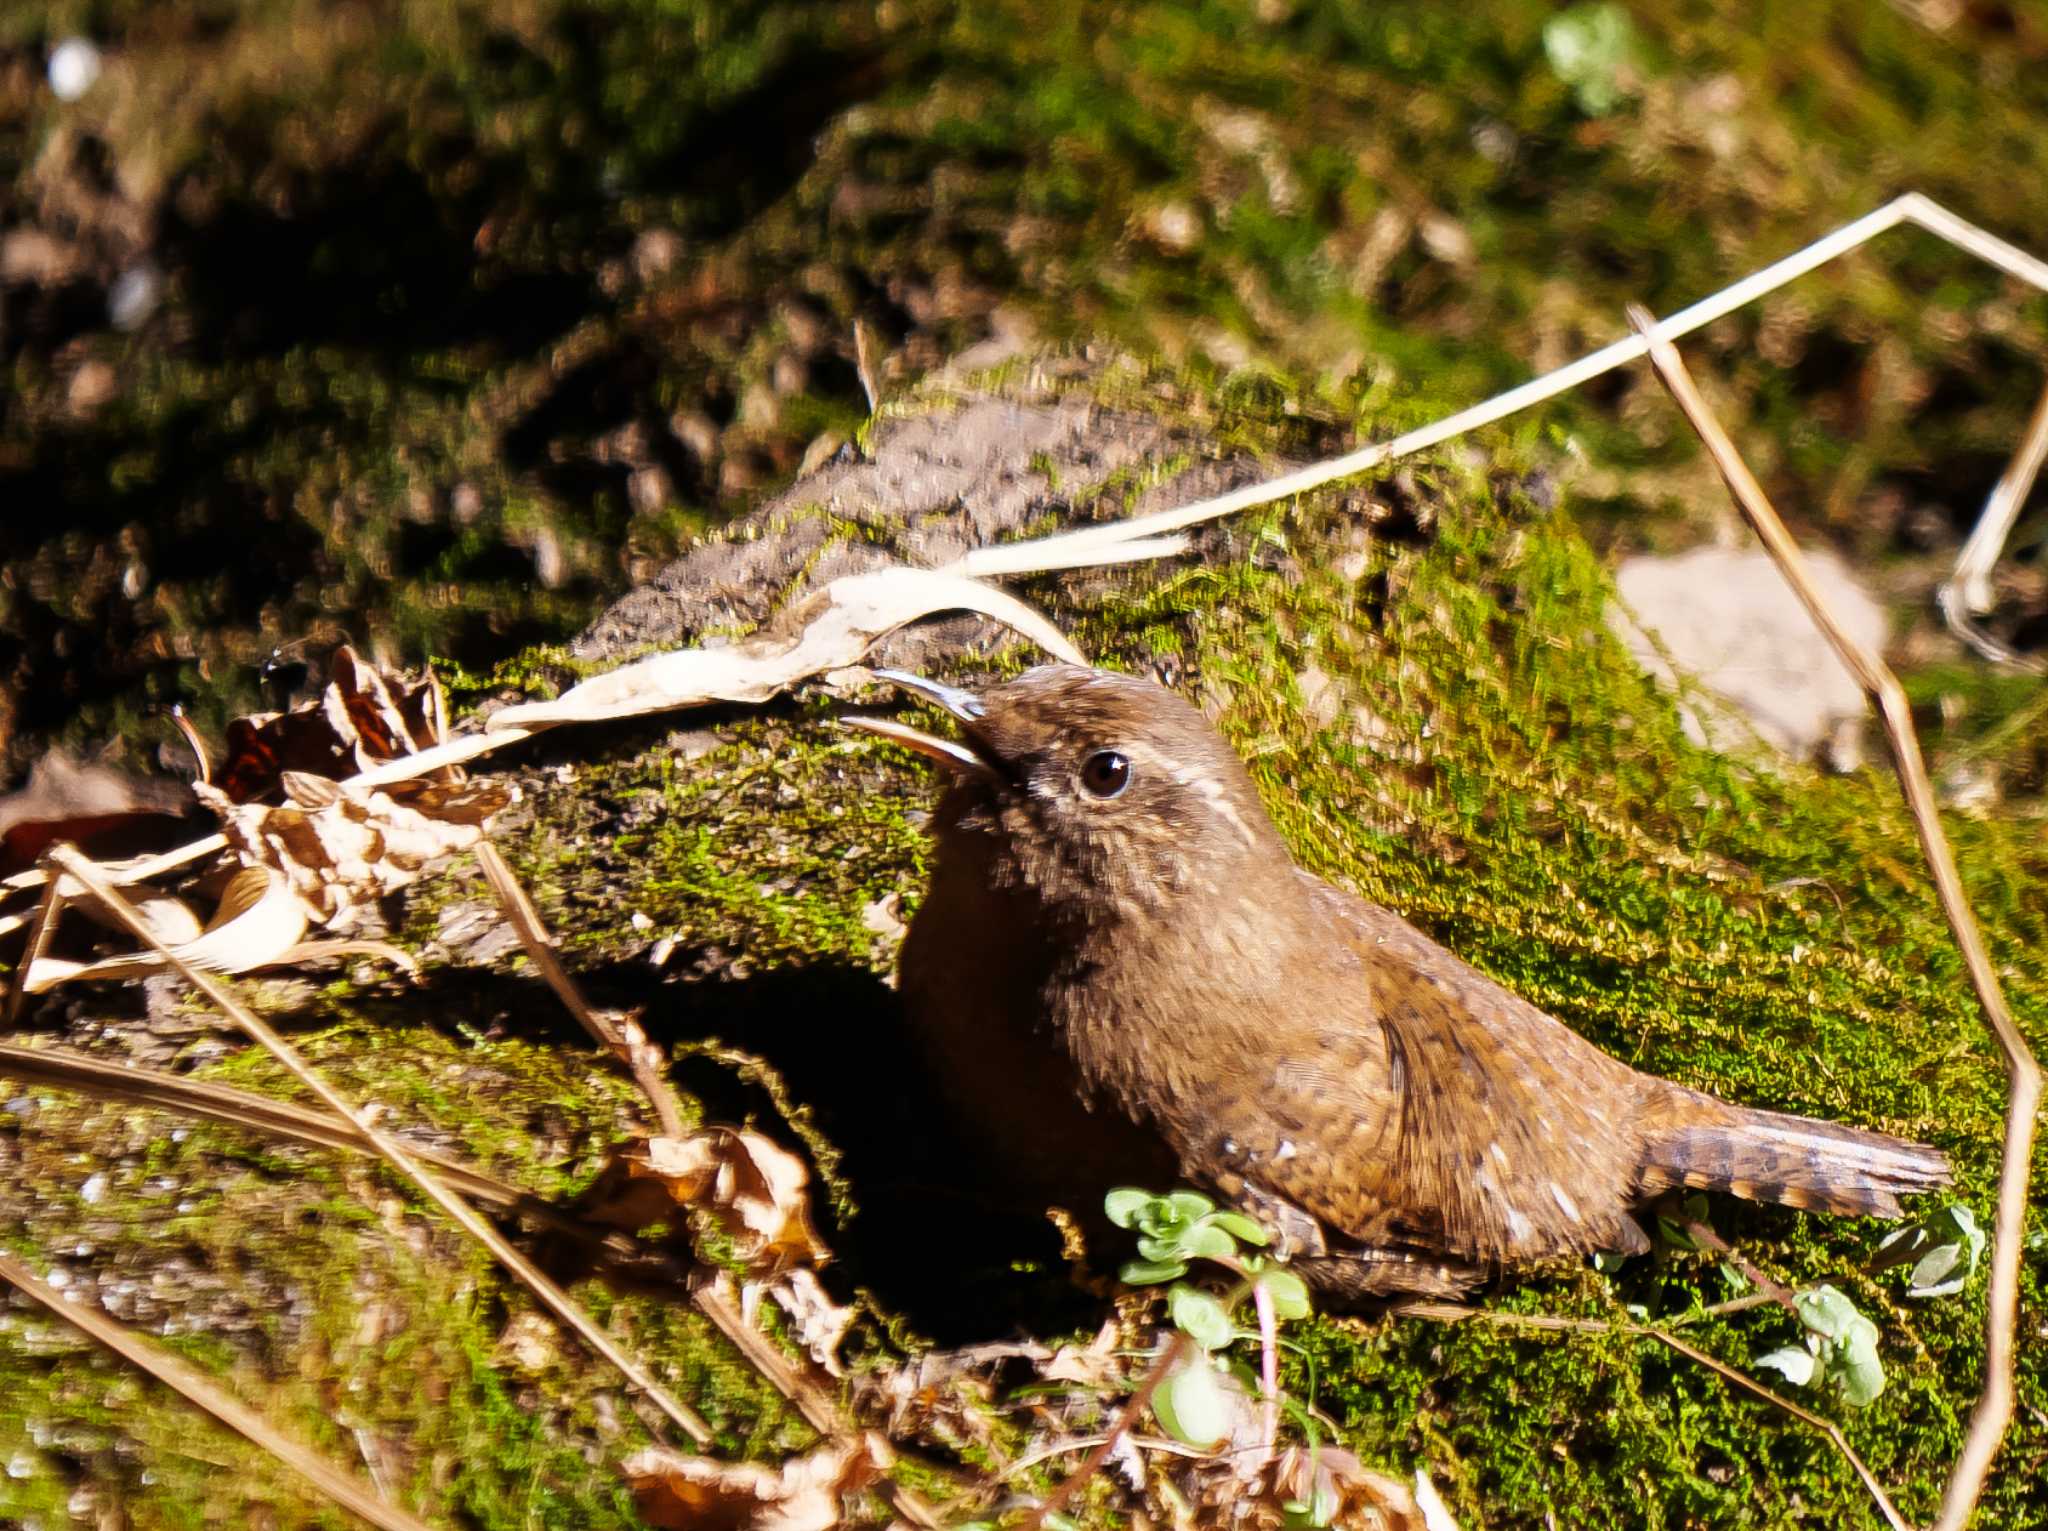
(1455, 1313)
(1066, 1448)
(197, 1388)
(99, 1080)
(1993, 1412)
(551, 1296)
(622, 1035)
(1967, 594)
(813, 1397)
(127, 874)
(1074, 1482)
(1112, 541)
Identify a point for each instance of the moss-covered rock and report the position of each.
(1419, 672)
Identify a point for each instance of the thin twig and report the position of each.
(1819, 1422)
(197, 1388)
(100, 1080)
(1066, 1448)
(1769, 1290)
(813, 1397)
(1059, 1498)
(623, 1035)
(1994, 1407)
(552, 1297)
(1453, 1313)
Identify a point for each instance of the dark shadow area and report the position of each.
(930, 1232)
(371, 258)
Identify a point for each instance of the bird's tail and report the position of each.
(1697, 1141)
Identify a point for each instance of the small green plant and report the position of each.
(1193, 1403)
(1943, 1248)
(1840, 1349)
(1592, 48)
(1174, 1229)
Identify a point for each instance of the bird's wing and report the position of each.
(1456, 1118)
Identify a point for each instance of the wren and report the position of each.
(1122, 977)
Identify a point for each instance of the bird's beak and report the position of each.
(964, 705)
(953, 755)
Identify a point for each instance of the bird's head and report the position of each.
(1106, 795)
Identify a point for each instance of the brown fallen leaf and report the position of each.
(340, 847)
(756, 1190)
(816, 1322)
(684, 1493)
(1340, 1491)
(109, 812)
(1096, 1365)
(360, 720)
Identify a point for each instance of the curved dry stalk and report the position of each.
(1118, 541)
(552, 1297)
(624, 1037)
(197, 1388)
(1456, 1313)
(1072, 1484)
(100, 1080)
(1966, 595)
(1988, 1420)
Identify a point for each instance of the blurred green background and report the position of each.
(434, 324)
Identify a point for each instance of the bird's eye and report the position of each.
(1106, 773)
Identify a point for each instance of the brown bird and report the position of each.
(1122, 977)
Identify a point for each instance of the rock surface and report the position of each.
(933, 487)
(1726, 618)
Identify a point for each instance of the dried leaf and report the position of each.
(169, 916)
(108, 812)
(342, 846)
(1096, 1366)
(684, 1493)
(755, 1189)
(362, 718)
(259, 920)
(1331, 1487)
(829, 630)
(817, 1322)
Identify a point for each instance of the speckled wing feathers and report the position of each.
(1514, 1138)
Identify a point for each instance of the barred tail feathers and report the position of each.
(1696, 1141)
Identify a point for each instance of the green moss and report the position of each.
(316, 1289)
(1501, 772)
